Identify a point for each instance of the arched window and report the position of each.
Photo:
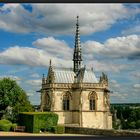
(66, 101)
(93, 101)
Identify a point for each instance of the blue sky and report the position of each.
(32, 34)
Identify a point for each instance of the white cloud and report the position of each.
(12, 77)
(137, 86)
(61, 53)
(119, 96)
(60, 18)
(58, 48)
(31, 56)
(136, 74)
(122, 46)
(132, 30)
(36, 82)
(23, 55)
(29, 94)
(35, 75)
(91, 48)
(16, 78)
(114, 84)
(119, 47)
(109, 66)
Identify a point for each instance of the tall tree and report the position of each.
(14, 97)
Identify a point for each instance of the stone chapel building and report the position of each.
(76, 95)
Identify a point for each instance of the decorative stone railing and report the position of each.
(75, 85)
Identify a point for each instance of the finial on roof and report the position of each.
(43, 79)
(50, 62)
(77, 56)
(77, 20)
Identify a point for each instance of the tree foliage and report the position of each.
(128, 115)
(13, 99)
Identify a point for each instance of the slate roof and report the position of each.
(66, 75)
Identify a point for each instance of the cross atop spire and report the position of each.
(50, 62)
(77, 56)
(77, 21)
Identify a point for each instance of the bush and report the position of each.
(5, 125)
(13, 126)
(59, 129)
(132, 125)
(115, 126)
(138, 124)
(38, 121)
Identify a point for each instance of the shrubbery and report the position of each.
(59, 129)
(5, 125)
(36, 121)
(13, 126)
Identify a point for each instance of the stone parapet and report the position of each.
(75, 85)
(105, 132)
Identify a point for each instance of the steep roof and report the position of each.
(86, 76)
(89, 77)
(64, 75)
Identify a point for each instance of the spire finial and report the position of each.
(77, 20)
(43, 79)
(50, 62)
(77, 56)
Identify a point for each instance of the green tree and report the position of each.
(133, 115)
(132, 125)
(14, 97)
(126, 112)
(138, 113)
(138, 124)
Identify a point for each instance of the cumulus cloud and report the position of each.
(61, 54)
(114, 84)
(18, 55)
(119, 47)
(58, 48)
(60, 18)
(11, 76)
(23, 55)
(137, 86)
(136, 74)
(132, 30)
(36, 82)
(16, 78)
(121, 97)
(35, 75)
(30, 94)
(109, 66)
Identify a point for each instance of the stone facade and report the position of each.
(76, 95)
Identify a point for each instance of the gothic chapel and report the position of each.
(76, 95)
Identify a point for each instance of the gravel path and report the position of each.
(37, 134)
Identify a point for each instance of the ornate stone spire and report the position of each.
(50, 62)
(50, 78)
(77, 56)
(43, 79)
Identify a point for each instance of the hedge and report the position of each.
(36, 121)
(13, 126)
(59, 129)
(5, 125)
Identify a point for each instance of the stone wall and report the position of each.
(105, 132)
